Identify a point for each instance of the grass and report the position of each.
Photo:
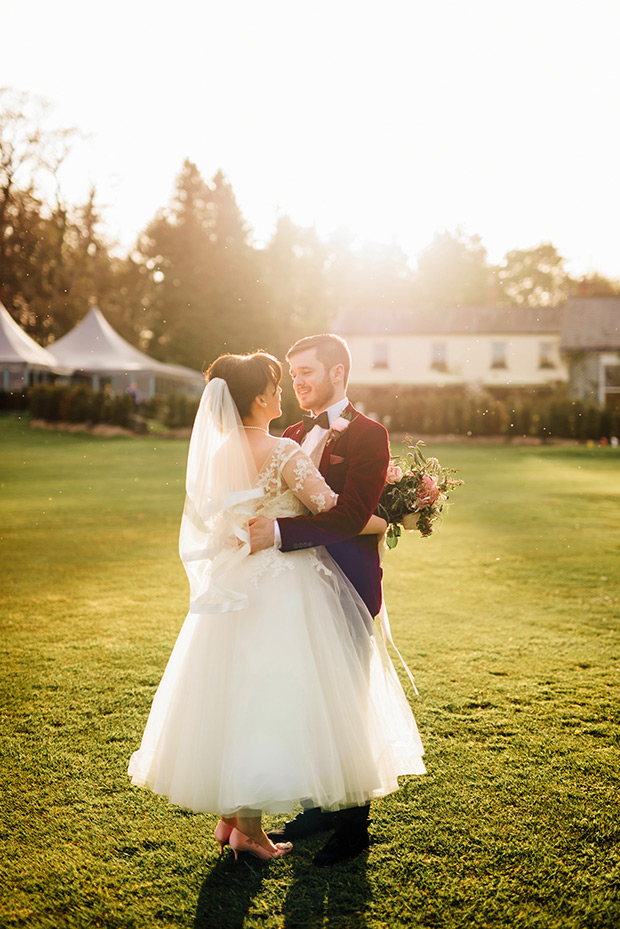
(509, 617)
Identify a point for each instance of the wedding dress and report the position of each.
(277, 688)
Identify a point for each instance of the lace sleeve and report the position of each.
(304, 479)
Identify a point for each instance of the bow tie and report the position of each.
(309, 422)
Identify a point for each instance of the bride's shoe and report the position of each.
(222, 834)
(242, 843)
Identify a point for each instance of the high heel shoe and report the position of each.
(242, 843)
(222, 834)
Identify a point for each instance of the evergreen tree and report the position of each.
(173, 253)
(202, 293)
(294, 274)
(237, 295)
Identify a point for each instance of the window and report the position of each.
(612, 377)
(498, 355)
(545, 355)
(611, 389)
(380, 355)
(438, 356)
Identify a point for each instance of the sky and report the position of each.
(393, 119)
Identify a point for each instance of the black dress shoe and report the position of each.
(306, 823)
(344, 844)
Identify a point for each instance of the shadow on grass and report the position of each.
(331, 896)
(227, 893)
(314, 896)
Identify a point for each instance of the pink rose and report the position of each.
(394, 474)
(427, 491)
(340, 424)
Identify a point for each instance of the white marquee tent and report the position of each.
(95, 352)
(22, 360)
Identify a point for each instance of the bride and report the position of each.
(277, 688)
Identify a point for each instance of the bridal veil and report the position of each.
(220, 489)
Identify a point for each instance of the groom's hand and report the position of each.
(261, 533)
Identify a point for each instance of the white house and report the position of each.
(590, 343)
(485, 346)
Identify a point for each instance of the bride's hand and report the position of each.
(232, 541)
(262, 533)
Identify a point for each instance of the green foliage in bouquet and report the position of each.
(415, 494)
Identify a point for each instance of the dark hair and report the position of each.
(247, 376)
(331, 350)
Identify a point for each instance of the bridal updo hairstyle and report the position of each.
(247, 376)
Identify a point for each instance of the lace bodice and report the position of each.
(292, 484)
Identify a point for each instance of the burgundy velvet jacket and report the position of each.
(354, 464)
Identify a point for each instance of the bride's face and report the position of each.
(312, 384)
(273, 396)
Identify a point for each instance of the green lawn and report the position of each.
(508, 616)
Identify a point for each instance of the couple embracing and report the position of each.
(277, 691)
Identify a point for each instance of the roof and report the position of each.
(93, 346)
(454, 320)
(591, 324)
(17, 347)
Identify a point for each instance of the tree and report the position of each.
(533, 277)
(202, 292)
(374, 275)
(53, 260)
(28, 150)
(453, 271)
(237, 295)
(172, 252)
(56, 264)
(595, 285)
(293, 270)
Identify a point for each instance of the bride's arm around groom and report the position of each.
(354, 466)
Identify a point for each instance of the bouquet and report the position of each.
(415, 494)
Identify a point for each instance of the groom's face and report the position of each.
(312, 384)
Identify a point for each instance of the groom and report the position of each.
(352, 453)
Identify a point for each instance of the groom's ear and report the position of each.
(337, 374)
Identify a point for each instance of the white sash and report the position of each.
(387, 637)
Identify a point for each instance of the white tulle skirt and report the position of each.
(292, 698)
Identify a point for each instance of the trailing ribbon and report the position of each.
(387, 637)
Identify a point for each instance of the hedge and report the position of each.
(454, 411)
(13, 400)
(81, 404)
(417, 411)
